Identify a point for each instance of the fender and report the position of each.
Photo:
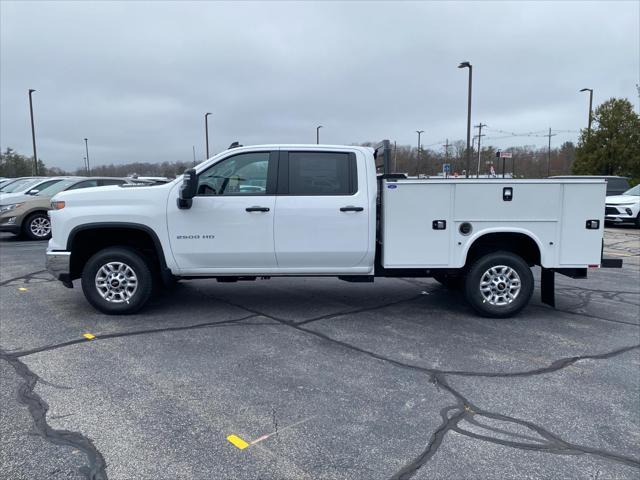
(476, 236)
(164, 270)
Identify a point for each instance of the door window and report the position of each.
(322, 173)
(243, 174)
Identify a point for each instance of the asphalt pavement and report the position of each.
(316, 378)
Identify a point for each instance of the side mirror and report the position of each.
(35, 191)
(188, 189)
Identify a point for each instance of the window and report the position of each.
(243, 174)
(111, 181)
(85, 184)
(322, 173)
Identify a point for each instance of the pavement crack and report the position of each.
(99, 337)
(28, 278)
(361, 310)
(96, 468)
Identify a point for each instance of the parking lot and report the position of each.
(322, 379)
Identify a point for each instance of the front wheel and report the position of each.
(117, 280)
(37, 226)
(499, 284)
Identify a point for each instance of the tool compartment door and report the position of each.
(410, 238)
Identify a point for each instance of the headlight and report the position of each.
(8, 208)
(58, 205)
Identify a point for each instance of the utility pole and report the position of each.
(194, 155)
(318, 134)
(33, 135)
(480, 135)
(549, 152)
(86, 146)
(446, 154)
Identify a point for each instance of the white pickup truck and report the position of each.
(315, 210)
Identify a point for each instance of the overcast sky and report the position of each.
(137, 78)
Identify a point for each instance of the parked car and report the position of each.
(16, 184)
(615, 185)
(624, 208)
(27, 214)
(30, 188)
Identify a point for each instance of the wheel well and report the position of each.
(87, 242)
(518, 243)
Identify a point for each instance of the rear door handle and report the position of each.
(351, 208)
(257, 209)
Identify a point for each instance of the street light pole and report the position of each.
(318, 134)
(86, 146)
(468, 65)
(419, 132)
(590, 90)
(206, 131)
(33, 135)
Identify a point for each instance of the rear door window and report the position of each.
(85, 184)
(321, 173)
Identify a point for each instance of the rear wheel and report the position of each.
(499, 284)
(37, 226)
(117, 280)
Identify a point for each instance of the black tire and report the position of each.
(503, 306)
(637, 222)
(452, 282)
(37, 226)
(128, 300)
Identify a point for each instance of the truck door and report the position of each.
(322, 212)
(229, 226)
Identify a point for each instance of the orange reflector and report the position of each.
(57, 205)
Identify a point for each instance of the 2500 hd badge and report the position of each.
(195, 237)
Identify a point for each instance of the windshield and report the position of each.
(51, 190)
(20, 185)
(633, 191)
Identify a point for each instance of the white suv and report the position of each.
(624, 208)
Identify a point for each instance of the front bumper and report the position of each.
(15, 229)
(619, 214)
(58, 264)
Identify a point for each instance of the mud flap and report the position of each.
(548, 287)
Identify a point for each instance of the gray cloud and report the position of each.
(137, 77)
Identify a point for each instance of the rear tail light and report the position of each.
(57, 205)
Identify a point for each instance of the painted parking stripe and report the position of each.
(237, 442)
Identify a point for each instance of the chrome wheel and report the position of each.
(500, 285)
(40, 227)
(116, 282)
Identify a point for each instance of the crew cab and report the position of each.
(316, 210)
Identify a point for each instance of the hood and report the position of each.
(9, 198)
(618, 199)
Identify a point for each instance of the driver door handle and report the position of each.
(257, 209)
(351, 208)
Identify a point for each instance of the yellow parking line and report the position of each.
(22, 289)
(237, 442)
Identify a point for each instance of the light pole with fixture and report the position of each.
(206, 132)
(590, 90)
(33, 135)
(468, 65)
